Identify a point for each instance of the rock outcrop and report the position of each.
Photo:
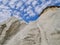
(49, 24)
(9, 28)
(44, 31)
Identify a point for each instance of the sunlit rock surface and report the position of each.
(9, 28)
(49, 24)
(44, 31)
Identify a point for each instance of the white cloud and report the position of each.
(4, 15)
(28, 1)
(34, 3)
(5, 1)
(31, 13)
(39, 8)
(19, 4)
(29, 8)
(24, 0)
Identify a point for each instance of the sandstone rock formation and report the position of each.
(49, 24)
(44, 31)
(9, 28)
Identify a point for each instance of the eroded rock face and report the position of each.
(49, 24)
(30, 35)
(9, 28)
(44, 31)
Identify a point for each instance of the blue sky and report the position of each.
(28, 10)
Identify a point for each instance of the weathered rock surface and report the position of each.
(9, 28)
(30, 35)
(44, 31)
(49, 24)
